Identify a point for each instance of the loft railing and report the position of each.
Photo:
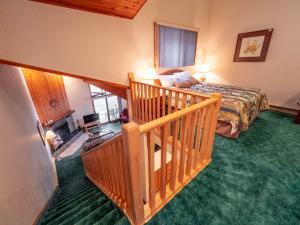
(167, 145)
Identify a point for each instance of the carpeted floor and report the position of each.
(253, 180)
(77, 200)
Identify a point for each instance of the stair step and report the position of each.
(85, 201)
(75, 187)
(96, 215)
(76, 213)
(111, 218)
(63, 202)
(65, 196)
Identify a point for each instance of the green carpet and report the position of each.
(77, 200)
(252, 180)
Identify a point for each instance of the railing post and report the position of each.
(213, 125)
(131, 144)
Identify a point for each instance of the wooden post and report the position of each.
(131, 139)
(213, 125)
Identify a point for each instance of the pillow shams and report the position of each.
(167, 80)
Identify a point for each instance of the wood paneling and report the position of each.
(47, 88)
(121, 8)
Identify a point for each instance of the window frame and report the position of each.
(156, 43)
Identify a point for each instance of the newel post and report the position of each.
(213, 124)
(131, 144)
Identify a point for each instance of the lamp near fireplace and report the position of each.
(53, 139)
(50, 134)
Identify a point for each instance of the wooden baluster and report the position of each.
(200, 122)
(141, 106)
(151, 146)
(139, 101)
(190, 144)
(99, 164)
(119, 147)
(143, 102)
(176, 101)
(154, 103)
(163, 161)
(117, 173)
(184, 99)
(158, 102)
(163, 102)
(213, 125)
(150, 102)
(174, 154)
(133, 99)
(131, 140)
(146, 103)
(183, 137)
(193, 100)
(170, 96)
(205, 133)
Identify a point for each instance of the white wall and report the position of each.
(26, 172)
(79, 96)
(279, 74)
(90, 44)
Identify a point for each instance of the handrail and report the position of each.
(172, 89)
(173, 116)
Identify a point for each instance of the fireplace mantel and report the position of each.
(58, 118)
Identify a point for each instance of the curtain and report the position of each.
(177, 47)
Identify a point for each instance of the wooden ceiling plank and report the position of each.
(122, 8)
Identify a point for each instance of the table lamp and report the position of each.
(151, 74)
(203, 70)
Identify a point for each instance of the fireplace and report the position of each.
(65, 128)
(63, 131)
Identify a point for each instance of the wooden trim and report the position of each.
(156, 45)
(169, 72)
(35, 222)
(175, 25)
(129, 15)
(85, 78)
(60, 117)
(267, 33)
(283, 110)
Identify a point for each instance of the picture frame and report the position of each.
(252, 46)
(41, 132)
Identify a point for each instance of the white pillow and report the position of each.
(167, 80)
(186, 76)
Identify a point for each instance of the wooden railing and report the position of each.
(150, 102)
(103, 165)
(143, 171)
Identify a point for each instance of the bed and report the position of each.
(239, 106)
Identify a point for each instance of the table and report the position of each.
(99, 132)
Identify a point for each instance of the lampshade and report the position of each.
(50, 134)
(204, 68)
(150, 74)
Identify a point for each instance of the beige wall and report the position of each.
(84, 43)
(279, 74)
(26, 172)
(79, 97)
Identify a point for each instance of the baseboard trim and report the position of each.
(45, 207)
(283, 110)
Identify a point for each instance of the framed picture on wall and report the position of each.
(41, 131)
(252, 46)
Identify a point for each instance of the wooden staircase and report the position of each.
(183, 125)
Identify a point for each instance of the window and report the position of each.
(174, 47)
(107, 105)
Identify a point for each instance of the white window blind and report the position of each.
(177, 47)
